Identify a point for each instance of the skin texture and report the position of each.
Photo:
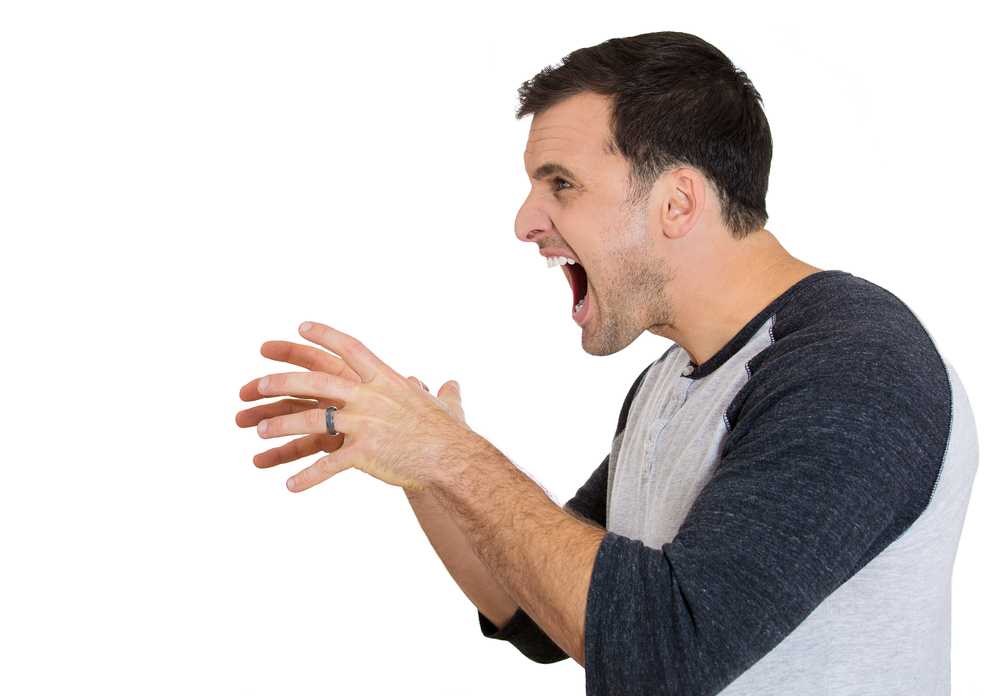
(665, 264)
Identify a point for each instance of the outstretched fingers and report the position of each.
(353, 352)
(250, 391)
(321, 470)
(266, 387)
(250, 417)
(314, 385)
(296, 449)
(309, 357)
(310, 422)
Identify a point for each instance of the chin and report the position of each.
(607, 342)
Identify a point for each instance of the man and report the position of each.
(781, 506)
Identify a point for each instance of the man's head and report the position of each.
(581, 211)
(677, 101)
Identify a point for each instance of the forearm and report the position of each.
(468, 572)
(541, 556)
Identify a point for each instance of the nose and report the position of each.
(531, 220)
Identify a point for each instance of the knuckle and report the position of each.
(325, 467)
(353, 345)
(311, 359)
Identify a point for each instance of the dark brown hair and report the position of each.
(678, 101)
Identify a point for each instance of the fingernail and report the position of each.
(306, 326)
(291, 484)
(262, 427)
(264, 381)
(458, 387)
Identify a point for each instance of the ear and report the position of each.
(682, 198)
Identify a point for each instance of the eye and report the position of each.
(561, 184)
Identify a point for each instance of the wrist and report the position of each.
(465, 469)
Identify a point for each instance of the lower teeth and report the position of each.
(579, 305)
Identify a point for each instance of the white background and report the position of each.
(182, 181)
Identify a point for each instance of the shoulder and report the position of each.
(842, 305)
(846, 339)
(852, 395)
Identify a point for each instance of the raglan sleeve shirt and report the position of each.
(834, 436)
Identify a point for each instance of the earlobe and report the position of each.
(682, 202)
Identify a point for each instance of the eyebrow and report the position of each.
(547, 170)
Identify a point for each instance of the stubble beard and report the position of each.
(636, 298)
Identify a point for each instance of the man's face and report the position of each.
(580, 207)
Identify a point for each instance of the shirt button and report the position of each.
(646, 446)
(687, 371)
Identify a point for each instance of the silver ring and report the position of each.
(329, 421)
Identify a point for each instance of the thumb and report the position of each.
(451, 394)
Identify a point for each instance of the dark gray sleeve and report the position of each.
(591, 500)
(525, 635)
(833, 451)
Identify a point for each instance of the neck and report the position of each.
(724, 285)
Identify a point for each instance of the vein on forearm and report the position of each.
(540, 555)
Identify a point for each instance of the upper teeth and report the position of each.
(558, 261)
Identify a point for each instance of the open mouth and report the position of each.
(577, 277)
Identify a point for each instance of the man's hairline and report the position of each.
(610, 143)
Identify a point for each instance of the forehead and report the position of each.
(577, 128)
